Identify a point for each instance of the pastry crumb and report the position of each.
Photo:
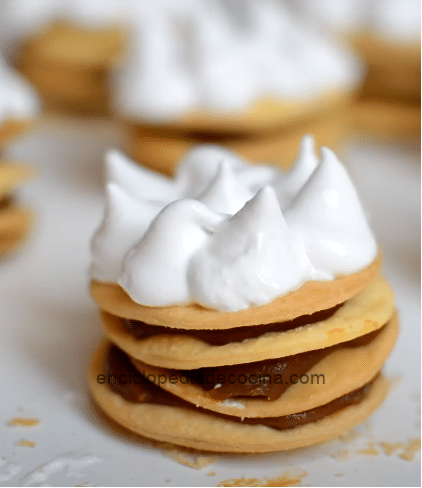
(24, 422)
(390, 448)
(168, 480)
(197, 462)
(241, 482)
(394, 381)
(212, 473)
(410, 449)
(25, 443)
(285, 479)
(342, 455)
(350, 436)
(369, 451)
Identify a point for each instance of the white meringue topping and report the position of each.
(216, 234)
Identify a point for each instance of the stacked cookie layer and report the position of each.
(209, 370)
(71, 64)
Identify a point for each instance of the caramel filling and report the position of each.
(141, 330)
(6, 202)
(118, 365)
(268, 379)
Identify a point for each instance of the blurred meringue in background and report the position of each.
(387, 36)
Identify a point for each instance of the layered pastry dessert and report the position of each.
(247, 74)
(387, 36)
(68, 49)
(243, 306)
(18, 107)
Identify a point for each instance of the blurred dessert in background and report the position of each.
(67, 49)
(19, 106)
(386, 34)
(244, 74)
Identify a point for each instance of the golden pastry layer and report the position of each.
(311, 297)
(14, 220)
(160, 149)
(397, 61)
(195, 428)
(70, 65)
(367, 311)
(341, 370)
(389, 102)
(347, 348)
(387, 119)
(12, 128)
(12, 176)
(262, 117)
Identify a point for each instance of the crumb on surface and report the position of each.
(241, 482)
(196, 462)
(349, 436)
(410, 449)
(341, 455)
(24, 422)
(369, 451)
(25, 443)
(390, 448)
(168, 480)
(285, 479)
(211, 473)
(394, 381)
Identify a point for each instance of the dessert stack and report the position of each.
(243, 306)
(68, 50)
(18, 108)
(386, 34)
(247, 75)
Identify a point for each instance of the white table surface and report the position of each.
(50, 326)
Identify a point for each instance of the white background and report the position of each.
(49, 326)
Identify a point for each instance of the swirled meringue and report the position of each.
(226, 234)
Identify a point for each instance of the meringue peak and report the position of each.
(250, 258)
(137, 180)
(169, 243)
(262, 207)
(330, 220)
(225, 194)
(328, 196)
(125, 222)
(287, 185)
(200, 165)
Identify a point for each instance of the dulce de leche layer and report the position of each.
(268, 379)
(117, 363)
(142, 330)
